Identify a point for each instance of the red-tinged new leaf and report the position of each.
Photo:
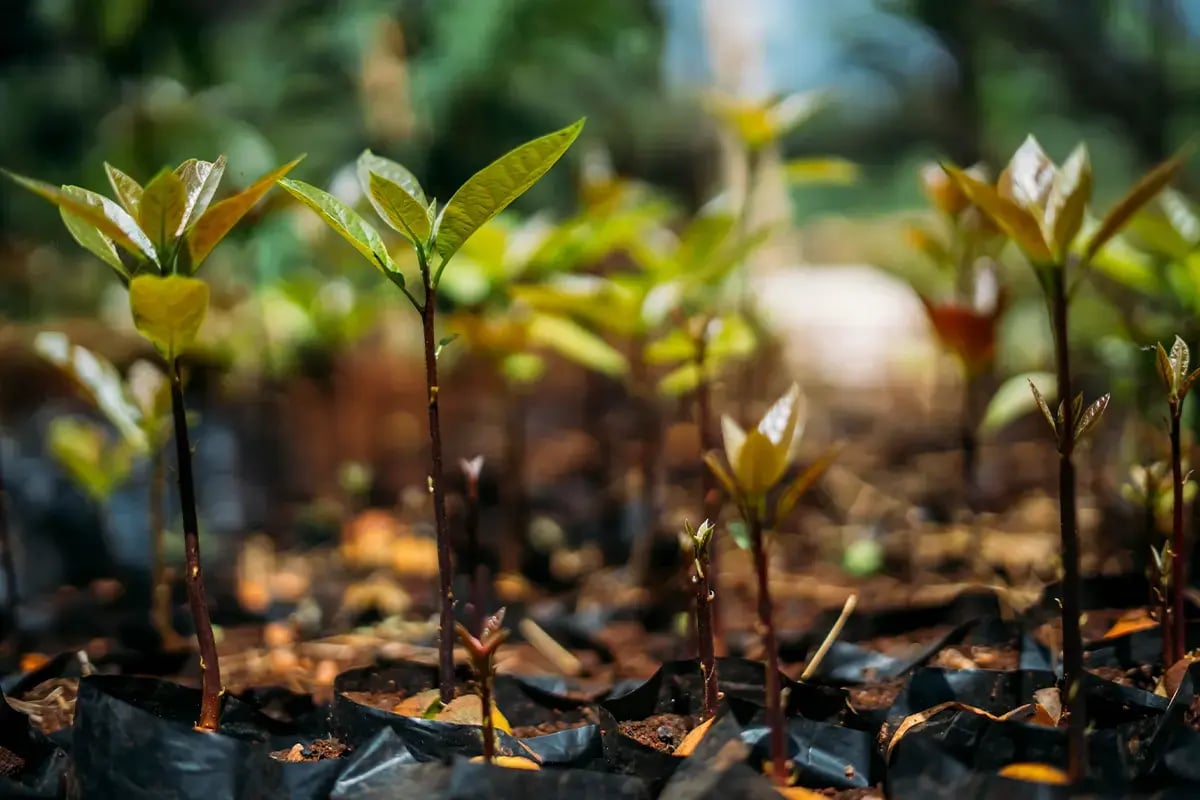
(1165, 371)
(216, 223)
(1041, 402)
(1090, 416)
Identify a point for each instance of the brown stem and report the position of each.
(1179, 628)
(1072, 640)
(210, 667)
(160, 602)
(12, 599)
(1160, 595)
(445, 560)
(704, 637)
(511, 556)
(766, 623)
(710, 492)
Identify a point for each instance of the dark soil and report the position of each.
(663, 732)
(1144, 676)
(11, 764)
(865, 793)
(320, 750)
(874, 696)
(549, 726)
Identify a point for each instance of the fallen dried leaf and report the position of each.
(1035, 773)
(688, 745)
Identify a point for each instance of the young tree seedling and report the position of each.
(1040, 207)
(435, 236)
(699, 540)
(154, 239)
(755, 464)
(481, 651)
(1173, 369)
(138, 407)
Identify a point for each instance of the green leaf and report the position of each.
(94, 464)
(345, 221)
(441, 345)
(91, 239)
(1087, 420)
(200, 182)
(576, 343)
(821, 171)
(1029, 177)
(1180, 358)
(734, 439)
(215, 224)
(162, 208)
(127, 191)
(673, 347)
(369, 163)
(760, 464)
(804, 481)
(96, 210)
(168, 311)
(492, 189)
(739, 531)
(523, 369)
(399, 209)
(1017, 223)
(1069, 196)
(1011, 401)
(98, 380)
(680, 381)
(1041, 403)
(1138, 196)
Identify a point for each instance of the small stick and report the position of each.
(562, 658)
(830, 638)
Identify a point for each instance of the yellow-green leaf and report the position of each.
(399, 209)
(96, 465)
(1017, 223)
(760, 464)
(576, 343)
(168, 311)
(345, 221)
(821, 171)
(720, 473)
(90, 238)
(96, 210)
(784, 420)
(804, 481)
(162, 208)
(200, 182)
(680, 380)
(215, 223)
(734, 438)
(1138, 196)
(369, 162)
(1069, 196)
(493, 188)
(127, 191)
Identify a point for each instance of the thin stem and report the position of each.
(1179, 628)
(1072, 640)
(12, 599)
(445, 559)
(478, 569)
(705, 651)
(210, 668)
(160, 602)
(710, 492)
(766, 623)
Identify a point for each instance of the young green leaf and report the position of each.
(346, 222)
(168, 311)
(740, 533)
(1180, 358)
(760, 464)
(200, 181)
(91, 239)
(215, 224)
(804, 481)
(1012, 400)
(576, 343)
(1069, 196)
(96, 210)
(680, 381)
(1090, 416)
(1029, 177)
(1041, 403)
(492, 189)
(1138, 196)
(127, 191)
(403, 212)
(1017, 223)
(821, 172)
(369, 163)
(161, 210)
(94, 464)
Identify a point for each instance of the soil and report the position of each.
(977, 656)
(874, 696)
(864, 793)
(383, 700)
(663, 732)
(549, 726)
(11, 764)
(320, 750)
(1145, 676)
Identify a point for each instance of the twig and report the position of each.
(562, 658)
(830, 638)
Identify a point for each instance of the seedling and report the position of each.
(756, 462)
(154, 239)
(1173, 369)
(699, 540)
(481, 652)
(435, 236)
(1040, 207)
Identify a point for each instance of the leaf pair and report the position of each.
(1173, 370)
(1083, 419)
(96, 464)
(1040, 206)
(399, 200)
(699, 540)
